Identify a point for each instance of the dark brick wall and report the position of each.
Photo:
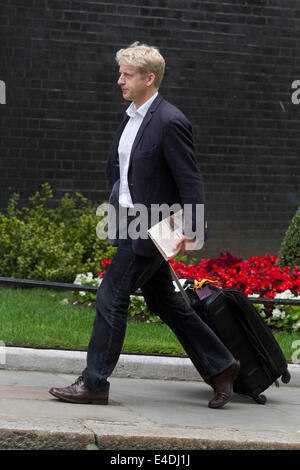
(230, 66)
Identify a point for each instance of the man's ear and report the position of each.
(150, 79)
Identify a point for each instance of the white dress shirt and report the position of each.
(128, 136)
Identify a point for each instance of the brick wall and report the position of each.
(230, 66)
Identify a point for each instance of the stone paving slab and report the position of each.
(143, 414)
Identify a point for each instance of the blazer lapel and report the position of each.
(121, 129)
(113, 158)
(144, 124)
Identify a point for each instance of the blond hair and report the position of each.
(147, 59)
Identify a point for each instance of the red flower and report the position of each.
(105, 263)
(258, 275)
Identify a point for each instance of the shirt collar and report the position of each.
(142, 110)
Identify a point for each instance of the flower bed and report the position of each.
(259, 276)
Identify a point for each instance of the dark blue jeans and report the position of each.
(126, 273)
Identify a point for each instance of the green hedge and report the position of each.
(289, 254)
(38, 242)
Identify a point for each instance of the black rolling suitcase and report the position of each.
(239, 326)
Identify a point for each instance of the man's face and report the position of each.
(134, 85)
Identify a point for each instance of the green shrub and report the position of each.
(37, 242)
(289, 254)
(138, 309)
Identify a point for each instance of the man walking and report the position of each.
(151, 162)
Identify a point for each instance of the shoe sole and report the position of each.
(102, 401)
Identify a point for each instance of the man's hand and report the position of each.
(181, 244)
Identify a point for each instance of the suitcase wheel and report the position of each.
(286, 377)
(260, 399)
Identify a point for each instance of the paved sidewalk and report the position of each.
(143, 413)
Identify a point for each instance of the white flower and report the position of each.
(88, 277)
(79, 278)
(278, 313)
(296, 326)
(287, 294)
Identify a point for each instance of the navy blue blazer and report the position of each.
(162, 166)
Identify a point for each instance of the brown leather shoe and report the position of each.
(78, 393)
(222, 385)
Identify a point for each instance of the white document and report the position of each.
(166, 234)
